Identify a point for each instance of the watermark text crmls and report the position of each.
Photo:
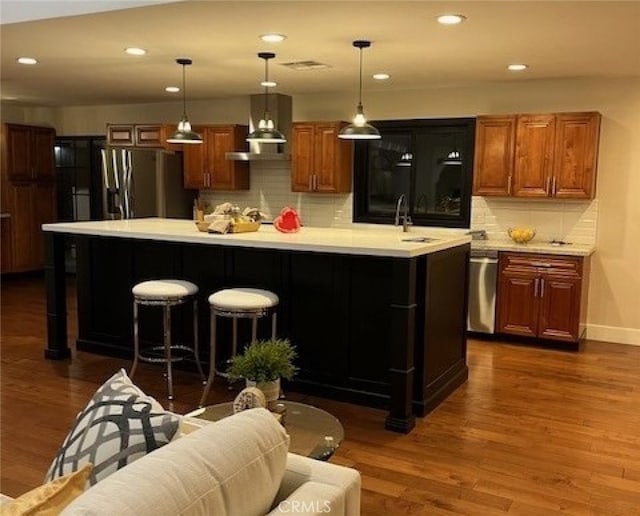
(304, 507)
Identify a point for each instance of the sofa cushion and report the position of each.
(49, 499)
(231, 467)
(119, 425)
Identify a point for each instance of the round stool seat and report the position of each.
(162, 289)
(243, 299)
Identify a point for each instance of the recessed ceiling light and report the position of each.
(381, 76)
(172, 89)
(27, 60)
(273, 37)
(451, 19)
(269, 84)
(517, 67)
(135, 51)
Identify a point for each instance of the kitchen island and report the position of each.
(376, 319)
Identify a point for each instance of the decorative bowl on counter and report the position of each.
(521, 235)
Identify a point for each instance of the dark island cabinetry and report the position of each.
(376, 330)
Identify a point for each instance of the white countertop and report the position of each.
(366, 240)
(534, 247)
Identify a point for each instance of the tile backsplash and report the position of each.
(271, 191)
(572, 221)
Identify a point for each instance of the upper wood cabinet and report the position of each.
(534, 155)
(206, 166)
(537, 156)
(141, 135)
(576, 155)
(493, 162)
(29, 153)
(320, 161)
(542, 296)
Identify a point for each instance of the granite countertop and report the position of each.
(378, 241)
(534, 247)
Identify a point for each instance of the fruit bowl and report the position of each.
(521, 235)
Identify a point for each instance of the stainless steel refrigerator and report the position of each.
(144, 183)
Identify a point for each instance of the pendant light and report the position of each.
(184, 134)
(360, 129)
(266, 131)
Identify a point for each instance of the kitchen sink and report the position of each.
(419, 239)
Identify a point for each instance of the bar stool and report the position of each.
(238, 303)
(165, 293)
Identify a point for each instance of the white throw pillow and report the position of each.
(119, 425)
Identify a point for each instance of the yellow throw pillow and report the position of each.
(49, 499)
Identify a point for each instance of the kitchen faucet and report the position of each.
(406, 220)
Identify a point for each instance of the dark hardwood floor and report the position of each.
(533, 431)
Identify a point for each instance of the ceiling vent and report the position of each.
(301, 66)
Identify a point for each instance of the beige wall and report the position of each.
(614, 297)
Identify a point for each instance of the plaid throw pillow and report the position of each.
(119, 425)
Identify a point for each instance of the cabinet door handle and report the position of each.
(546, 188)
(509, 184)
(310, 182)
(535, 287)
(315, 182)
(553, 188)
(542, 287)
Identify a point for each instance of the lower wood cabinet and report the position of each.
(6, 246)
(542, 296)
(33, 204)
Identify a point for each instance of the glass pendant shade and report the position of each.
(266, 131)
(184, 133)
(359, 129)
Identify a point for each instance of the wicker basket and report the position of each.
(244, 227)
(236, 227)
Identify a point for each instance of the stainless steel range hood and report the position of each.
(280, 112)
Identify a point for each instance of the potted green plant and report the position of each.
(263, 363)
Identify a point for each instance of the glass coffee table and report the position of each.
(313, 432)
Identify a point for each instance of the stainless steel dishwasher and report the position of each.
(483, 276)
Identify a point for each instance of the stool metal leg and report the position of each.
(167, 348)
(234, 342)
(254, 328)
(196, 340)
(273, 324)
(212, 358)
(136, 342)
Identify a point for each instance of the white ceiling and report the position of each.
(82, 60)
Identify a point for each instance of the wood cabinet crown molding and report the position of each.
(320, 161)
(537, 155)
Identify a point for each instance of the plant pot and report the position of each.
(271, 389)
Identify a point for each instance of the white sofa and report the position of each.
(237, 466)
